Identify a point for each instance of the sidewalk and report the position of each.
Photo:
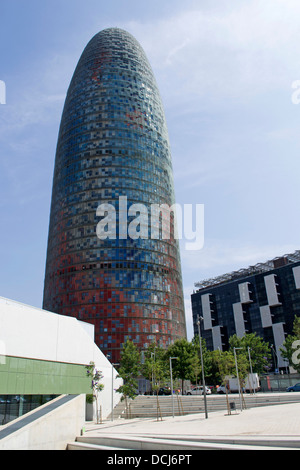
(268, 421)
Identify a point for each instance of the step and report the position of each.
(149, 443)
(87, 446)
(269, 441)
(146, 406)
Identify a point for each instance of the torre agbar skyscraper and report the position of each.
(113, 146)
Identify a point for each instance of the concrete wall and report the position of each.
(52, 431)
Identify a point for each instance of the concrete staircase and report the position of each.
(119, 411)
(151, 406)
(109, 439)
(191, 443)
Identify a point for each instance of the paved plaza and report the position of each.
(277, 423)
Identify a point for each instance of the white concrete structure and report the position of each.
(51, 431)
(33, 333)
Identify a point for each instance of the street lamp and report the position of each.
(237, 375)
(152, 355)
(172, 383)
(202, 367)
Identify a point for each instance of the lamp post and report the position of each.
(152, 356)
(172, 384)
(202, 367)
(237, 375)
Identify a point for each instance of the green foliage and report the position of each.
(217, 364)
(296, 327)
(223, 365)
(129, 369)
(155, 366)
(184, 351)
(260, 352)
(90, 398)
(95, 375)
(130, 360)
(196, 369)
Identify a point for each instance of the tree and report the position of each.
(224, 363)
(95, 375)
(195, 369)
(291, 347)
(260, 353)
(128, 371)
(185, 352)
(155, 367)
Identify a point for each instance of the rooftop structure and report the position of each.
(255, 269)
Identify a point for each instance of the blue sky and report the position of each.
(225, 70)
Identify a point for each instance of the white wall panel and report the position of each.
(34, 333)
(206, 311)
(266, 317)
(244, 290)
(217, 338)
(239, 319)
(296, 272)
(279, 338)
(271, 289)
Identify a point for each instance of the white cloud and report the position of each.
(239, 52)
(172, 54)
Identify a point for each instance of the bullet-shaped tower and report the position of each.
(113, 149)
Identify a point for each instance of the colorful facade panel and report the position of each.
(113, 143)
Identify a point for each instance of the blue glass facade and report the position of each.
(262, 299)
(113, 142)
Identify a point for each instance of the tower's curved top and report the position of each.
(114, 61)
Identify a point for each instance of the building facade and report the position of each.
(113, 149)
(262, 299)
(44, 355)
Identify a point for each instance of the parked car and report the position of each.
(294, 388)
(164, 391)
(198, 391)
